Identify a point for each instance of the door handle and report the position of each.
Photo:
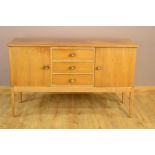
(46, 67)
(99, 68)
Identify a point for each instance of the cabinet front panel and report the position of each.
(72, 67)
(114, 67)
(30, 66)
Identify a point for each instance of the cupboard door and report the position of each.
(30, 66)
(114, 67)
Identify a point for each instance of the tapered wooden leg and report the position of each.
(21, 97)
(123, 97)
(131, 102)
(13, 103)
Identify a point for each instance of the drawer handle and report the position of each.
(72, 54)
(46, 67)
(72, 80)
(71, 67)
(99, 68)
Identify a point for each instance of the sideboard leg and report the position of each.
(13, 102)
(123, 98)
(131, 102)
(21, 97)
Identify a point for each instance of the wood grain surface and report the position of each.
(72, 42)
(74, 111)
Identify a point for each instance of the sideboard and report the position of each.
(72, 65)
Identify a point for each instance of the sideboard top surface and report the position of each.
(72, 42)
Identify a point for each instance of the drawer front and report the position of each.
(72, 67)
(72, 79)
(73, 54)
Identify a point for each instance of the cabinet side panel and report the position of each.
(118, 67)
(11, 67)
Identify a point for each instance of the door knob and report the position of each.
(46, 67)
(99, 68)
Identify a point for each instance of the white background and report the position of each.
(77, 13)
(77, 142)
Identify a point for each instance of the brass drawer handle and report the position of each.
(71, 67)
(99, 68)
(71, 80)
(72, 54)
(46, 67)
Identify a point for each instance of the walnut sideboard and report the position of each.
(85, 66)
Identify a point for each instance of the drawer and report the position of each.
(72, 67)
(73, 54)
(72, 79)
